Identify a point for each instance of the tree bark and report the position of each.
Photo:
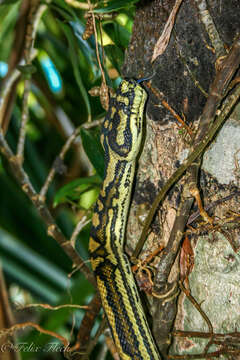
(185, 76)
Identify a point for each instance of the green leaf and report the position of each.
(94, 150)
(8, 16)
(115, 55)
(87, 48)
(74, 189)
(64, 9)
(7, 2)
(119, 35)
(113, 5)
(64, 13)
(74, 60)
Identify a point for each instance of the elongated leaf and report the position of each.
(87, 48)
(29, 281)
(74, 59)
(94, 150)
(74, 189)
(29, 258)
(64, 9)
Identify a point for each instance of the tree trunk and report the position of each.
(185, 78)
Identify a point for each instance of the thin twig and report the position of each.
(6, 89)
(78, 228)
(33, 19)
(234, 336)
(179, 119)
(197, 306)
(210, 28)
(54, 308)
(159, 96)
(16, 327)
(62, 154)
(9, 84)
(22, 135)
(196, 214)
(96, 42)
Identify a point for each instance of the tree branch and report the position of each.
(52, 228)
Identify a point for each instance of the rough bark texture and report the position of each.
(183, 75)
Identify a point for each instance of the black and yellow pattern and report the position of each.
(121, 139)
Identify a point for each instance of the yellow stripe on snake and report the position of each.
(121, 138)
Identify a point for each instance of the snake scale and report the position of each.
(121, 139)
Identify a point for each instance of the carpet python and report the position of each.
(121, 139)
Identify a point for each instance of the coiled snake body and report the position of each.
(121, 138)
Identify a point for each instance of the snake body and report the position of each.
(121, 138)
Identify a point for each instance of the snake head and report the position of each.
(122, 128)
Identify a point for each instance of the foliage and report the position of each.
(64, 69)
